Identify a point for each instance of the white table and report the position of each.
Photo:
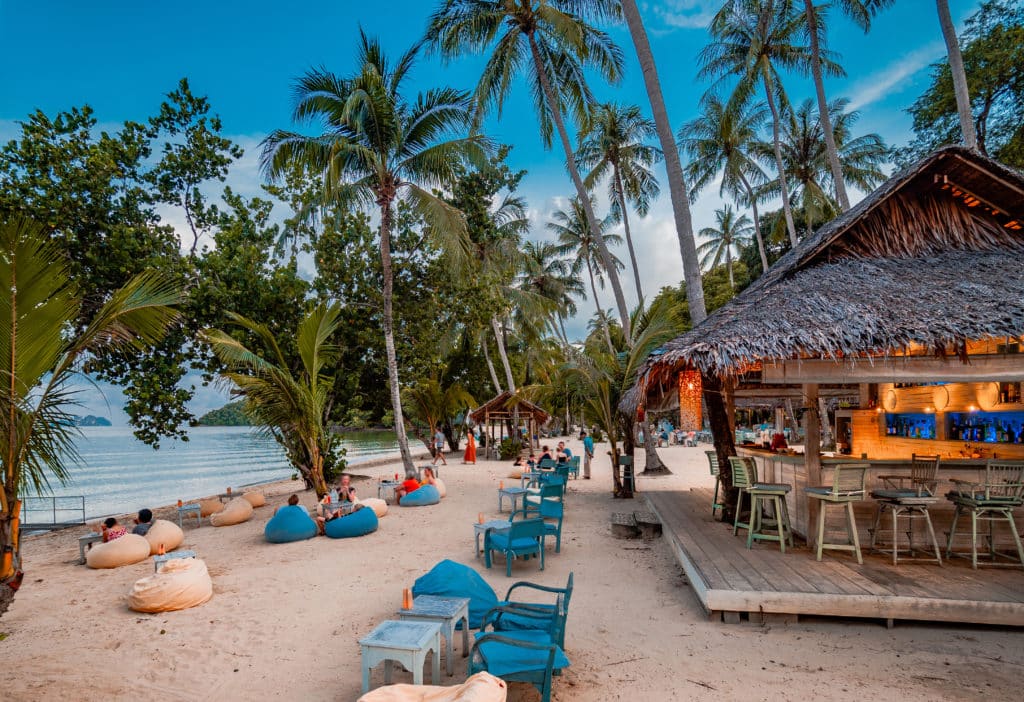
(160, 559)
(86, 542)
(479, 529)
(387, 486)
(513, 493)
(448, 612)
(194, 508)
(403, 641)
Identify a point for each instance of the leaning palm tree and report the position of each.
(614, 146)
(40, 356)
(555, 43)
(725, 241)
(290, 406)
(546, 275)
(956, 68)
(378, 147)
(723, 138)
(432, 405)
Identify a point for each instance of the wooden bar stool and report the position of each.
(744, 477)
(908, 496)
(847, 487)
(993, 500)
(713, 461)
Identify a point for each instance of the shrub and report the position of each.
(509, 448)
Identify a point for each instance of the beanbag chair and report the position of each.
(426, 495)
(181, 583)
(128, 549)
(235, 512)
(291, 523)
(441, 489)
(208, 507)
(482, 687)
(379, 506)
(451, 579)
(516, 473)
(359, 523)
(164, 532)
(256, 499)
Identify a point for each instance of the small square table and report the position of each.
(403, 641)
(479, 529)
(384, 487)
(513, 493)
(85, 543)
(448, 611)
(194, 508)
(158, 559)
(228, 496)
(529, 476)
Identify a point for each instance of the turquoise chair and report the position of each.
(518, 659)
(574, 467)
(553, 489)
(546, 463)
(524, 537)
(716, 474)
(551, 511)
(528, 624)
(562, 594)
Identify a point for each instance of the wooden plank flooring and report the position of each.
(728, 577)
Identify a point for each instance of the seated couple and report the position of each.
(111, 529)
(411, 484)
(347, 503)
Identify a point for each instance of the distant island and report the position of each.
(230, 415)
(90, 420)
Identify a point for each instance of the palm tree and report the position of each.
(753, 40)
(432, 404)
(39, 358)
(615, 141)
(547, 276)
(553, 41)
(731, 234)
(724, 138)
(956, 67)
(290, 406)
(377, 148)
(860, 11)
(673, 166)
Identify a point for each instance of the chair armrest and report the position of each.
(533, 586)
(498, 638)
(493, 616)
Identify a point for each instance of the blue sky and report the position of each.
(122, 57)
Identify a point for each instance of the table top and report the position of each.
(406, 635)
(193, 506)
(496, 524)
(390, 483)
(434, 606)
(171, 555)
(512, 490)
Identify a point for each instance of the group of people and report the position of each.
(437, 445)
(327, 510)
(110, 529)
(562, 454)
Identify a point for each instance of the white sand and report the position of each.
(285, 619)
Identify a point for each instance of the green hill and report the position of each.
(230, 415)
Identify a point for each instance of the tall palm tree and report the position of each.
(39, 358)
(553, 41)
(861, 12)
(433, 404)
(379, 147)
(753, 40)
(732, 233)
(724, 138)
(613, 146)
(290, 406)
(673, 166)
(956, 67)
(547, 275)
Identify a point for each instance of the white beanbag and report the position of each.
(439, 484)
(482, 687)
(256, 499)
(181, 583)
(164, 532)
(208, 507)
(235, 512)
(130, 548)
(379, 506)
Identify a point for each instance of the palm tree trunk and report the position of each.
(823, 116)
(757, 224)
(956, 67)
(490, 365)
(777, 145)
(561, 325)
(620, 194)
(653, 465)
(498, 338)
(389, 337)
(600, 312)
(728, 265)
(581, 189)
(673, 166)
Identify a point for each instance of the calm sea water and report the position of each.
(120, 474)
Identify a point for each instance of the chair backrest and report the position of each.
(924, 474)
(547, 463)
(530, 528)
(744, 471)
(574, 461)
(713, 461)
(552, 488)
(848, 479)
(625, 461)
(1004, 480)
(562, 470)
(552, 509)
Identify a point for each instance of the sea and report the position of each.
(119, 474)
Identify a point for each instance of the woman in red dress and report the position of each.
(470, 455)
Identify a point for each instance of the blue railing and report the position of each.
(52, 512)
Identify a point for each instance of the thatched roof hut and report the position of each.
(506, 409)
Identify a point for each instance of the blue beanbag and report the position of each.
(426, 495)
(291, 523)
(359, 523)
(451, 579)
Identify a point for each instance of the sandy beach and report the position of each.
(285, 619)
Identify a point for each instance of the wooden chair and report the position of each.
(529, 623)
(908, 496)
(524, 537)
(715, 473)
(517, 660)
(563, 594)
(847, 487)
(992, 500)
(574, 467)
(744, 477)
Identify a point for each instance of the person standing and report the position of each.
(439, 447)
(470, 455)
(588, 454)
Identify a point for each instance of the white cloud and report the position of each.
(684, 14)
(881, 84)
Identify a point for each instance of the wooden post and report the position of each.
(812, 459)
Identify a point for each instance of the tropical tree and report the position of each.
(614, 147)
(553, 41)
(956, 67)
(291, 406)
(378, 148)
(547, 275)
(41, 353)
(433, 406)
(724, 241)
(723, 138)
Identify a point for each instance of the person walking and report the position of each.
(588, 454)
(470, 455)
(439, 448)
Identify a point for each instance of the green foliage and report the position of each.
(509, 448)
(230, 415)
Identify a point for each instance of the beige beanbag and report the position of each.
(379, 506)
(235, 512)
(130, 548)
(256, 499)
(164, 532)
(181, 583)
(439, 484)
(516, 473)
(482, 687)
(208, 507)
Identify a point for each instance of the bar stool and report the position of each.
(847, 487)
(715, 473)
(908, 496)
(744, 477)
(993, 500)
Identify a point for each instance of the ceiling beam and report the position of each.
(1004, 368)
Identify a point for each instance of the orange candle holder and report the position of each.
(480, 518)
(396, 476)
(160, 550)
(179, 503)
(406, 598)
(501, 484)
(229, 490)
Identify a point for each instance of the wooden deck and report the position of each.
(762, 582)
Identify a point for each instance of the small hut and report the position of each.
(506, 415)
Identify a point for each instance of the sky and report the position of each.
(122, 57)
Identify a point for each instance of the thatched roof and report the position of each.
(504, 405)
(933, 257)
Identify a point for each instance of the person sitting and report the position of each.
(518, 463)
(545, 453)
(428, 477)
(663, 438)
(293, 501)
(346, 493)
(563, 455)
(531, 462)
(112, 530)
(409, 485)
(143, 522)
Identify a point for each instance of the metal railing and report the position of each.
(61, 511)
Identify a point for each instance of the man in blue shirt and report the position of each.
(588, 453)
(563, 454)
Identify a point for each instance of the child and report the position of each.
(143, 522)
(112, 530)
